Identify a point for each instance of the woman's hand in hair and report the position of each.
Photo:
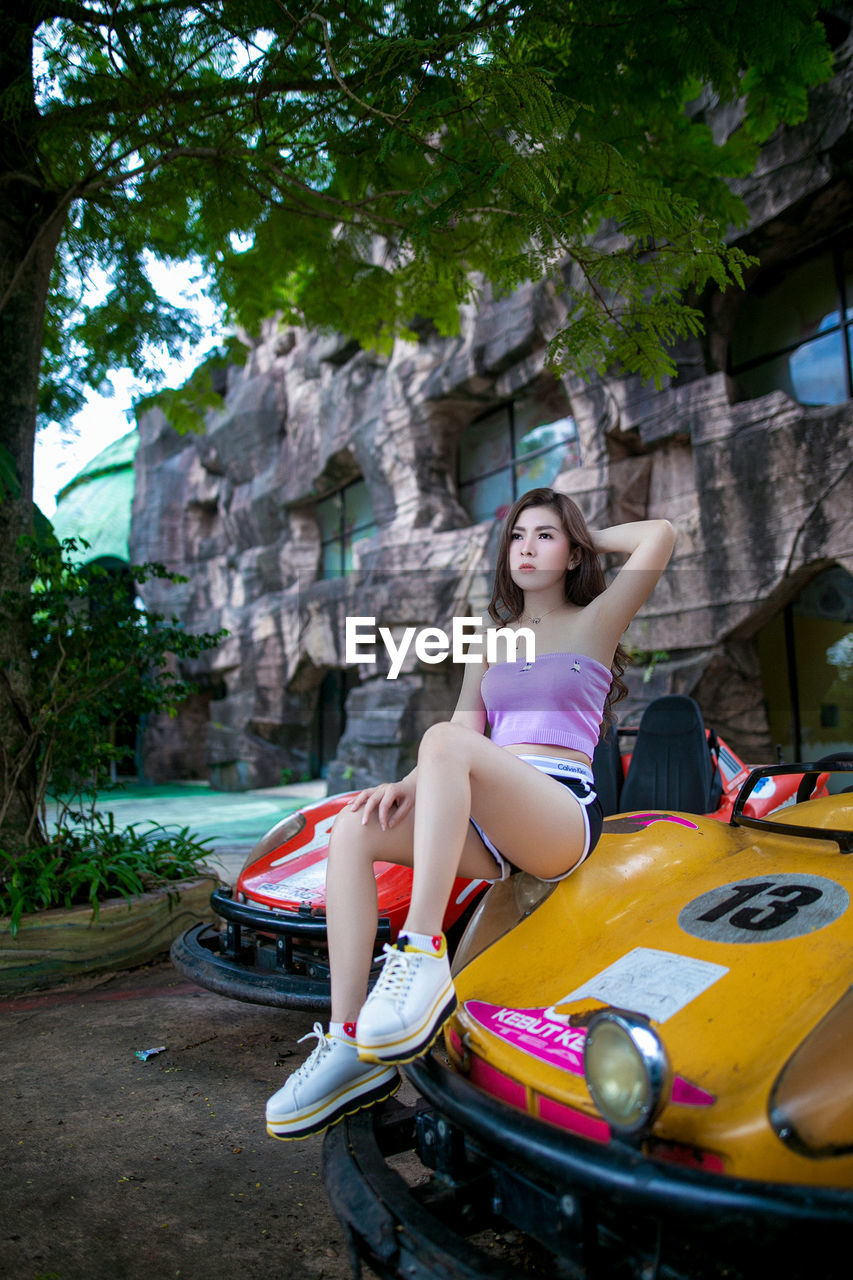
(649, 543)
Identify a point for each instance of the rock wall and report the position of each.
(760, 492)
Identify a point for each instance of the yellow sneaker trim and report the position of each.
(422, 951)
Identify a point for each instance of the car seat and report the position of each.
(672, 766)
(607, 770)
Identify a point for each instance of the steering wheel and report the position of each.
(809, 780)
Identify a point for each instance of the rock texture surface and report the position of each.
(760, 492)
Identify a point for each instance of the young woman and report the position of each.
(476, 806)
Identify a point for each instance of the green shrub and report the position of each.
(97, 860)
(99, 659)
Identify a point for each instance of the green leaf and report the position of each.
(359, 172)
(94, 859)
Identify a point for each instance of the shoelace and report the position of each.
(321, 1048)
(397, 972)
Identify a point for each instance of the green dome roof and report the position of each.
(96, 504)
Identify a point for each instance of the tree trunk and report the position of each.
(31, 222)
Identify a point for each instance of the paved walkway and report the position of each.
(156, 1170)
(233, 821)
(114, 1166)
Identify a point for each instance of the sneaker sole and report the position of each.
(406, 1048)
(320, 1119)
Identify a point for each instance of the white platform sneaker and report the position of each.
(330, 1084)
(412, 999)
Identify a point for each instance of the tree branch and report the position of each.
(92, 18)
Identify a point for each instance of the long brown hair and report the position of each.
(580, 585)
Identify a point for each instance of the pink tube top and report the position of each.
(557, 701)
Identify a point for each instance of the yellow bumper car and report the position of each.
(650, 1070)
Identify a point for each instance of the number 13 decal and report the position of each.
(765, 910)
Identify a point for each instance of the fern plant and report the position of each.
(95, 860)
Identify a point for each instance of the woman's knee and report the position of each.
(348, 836)
(445, 741)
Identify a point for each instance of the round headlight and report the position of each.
(626, 1070)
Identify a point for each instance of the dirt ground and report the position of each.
(115, 1167)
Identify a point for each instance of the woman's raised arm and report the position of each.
(648, 546)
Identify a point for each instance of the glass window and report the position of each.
(517, 447)
(486, 445)
(804, 303)
(344, 518)
(806, 656)
(330, 718)
(544, 451)
(793, 334)
(358, 509)
(329, 518)
(331, 564)
(488, 498)
(817, 371)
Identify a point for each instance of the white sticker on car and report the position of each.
(308, 880)
(765, 908)
(655, 983)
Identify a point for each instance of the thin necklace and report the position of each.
(536, 621)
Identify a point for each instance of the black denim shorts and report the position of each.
(579, 781)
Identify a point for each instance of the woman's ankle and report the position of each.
(424, 941)
(343, 1031)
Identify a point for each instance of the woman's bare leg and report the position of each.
(351, 906)
(537, 824)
